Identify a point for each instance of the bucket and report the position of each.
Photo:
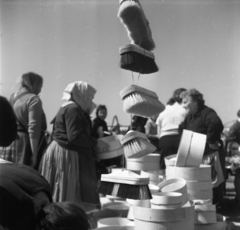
(149, 162)
(199, 182)
(114, 221)
(205, 214)
(166, 200)
(153, 176)
(140, 203)
(180, 218)
(221, 224)
(202, 173)
(170, 160)
(191, 149)
(120, 208)
(175, 185)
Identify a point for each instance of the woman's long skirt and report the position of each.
(168, 145)
(71, 177)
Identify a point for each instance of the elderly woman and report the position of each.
(68, 164)
(202, 119)
(31, 122)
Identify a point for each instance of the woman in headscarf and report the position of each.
(68, 164)
(31, 122)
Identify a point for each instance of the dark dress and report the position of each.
(206, 121)
(18, 184)
(68, 164)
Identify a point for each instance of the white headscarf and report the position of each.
(82, 93)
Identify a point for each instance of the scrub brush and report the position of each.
(137, 59)
(136, 144)
(133, 18)
(125, 184)
(140, 101)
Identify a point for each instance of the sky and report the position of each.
(197, 46)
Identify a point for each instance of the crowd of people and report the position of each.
(54, 185)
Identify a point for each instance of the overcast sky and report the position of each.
(197, 46)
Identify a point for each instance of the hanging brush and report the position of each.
(140, 101)
(136, 144)
(137, 59)
(133, 18)
(125, 184)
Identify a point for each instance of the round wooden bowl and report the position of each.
(120, 208)
(155, 215)
(202, 173)
(153, 188)
(149, 162)
(153, 176)
(115, 147)
(141, 203)
(170, 160)
(114, 221)
(166, 198)
(175, 185)
(221, 224)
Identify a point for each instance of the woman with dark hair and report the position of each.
(26, 202)
(31, 122)
(68, 163)
(202, 119)
(168, 122)
(99, 123)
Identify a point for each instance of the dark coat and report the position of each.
(205, 121)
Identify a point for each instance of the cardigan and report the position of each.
(72, 128)
(205, 121)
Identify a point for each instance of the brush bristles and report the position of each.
(142, 105)
(133, 18)
(136, 192)
(137, 62)
(138, 148)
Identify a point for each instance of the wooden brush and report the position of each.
(125, 184)
(133, 18)
(137, 59)
(136, 145)
(140, 101)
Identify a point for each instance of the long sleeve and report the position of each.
(214, 127)
(77, 132)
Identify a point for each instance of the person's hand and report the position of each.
(214, 145)
(102, 146)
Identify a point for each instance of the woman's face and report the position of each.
(190, 105)
(102, 114)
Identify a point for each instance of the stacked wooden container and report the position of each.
(186, 164)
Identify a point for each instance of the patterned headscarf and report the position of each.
(82, 93)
